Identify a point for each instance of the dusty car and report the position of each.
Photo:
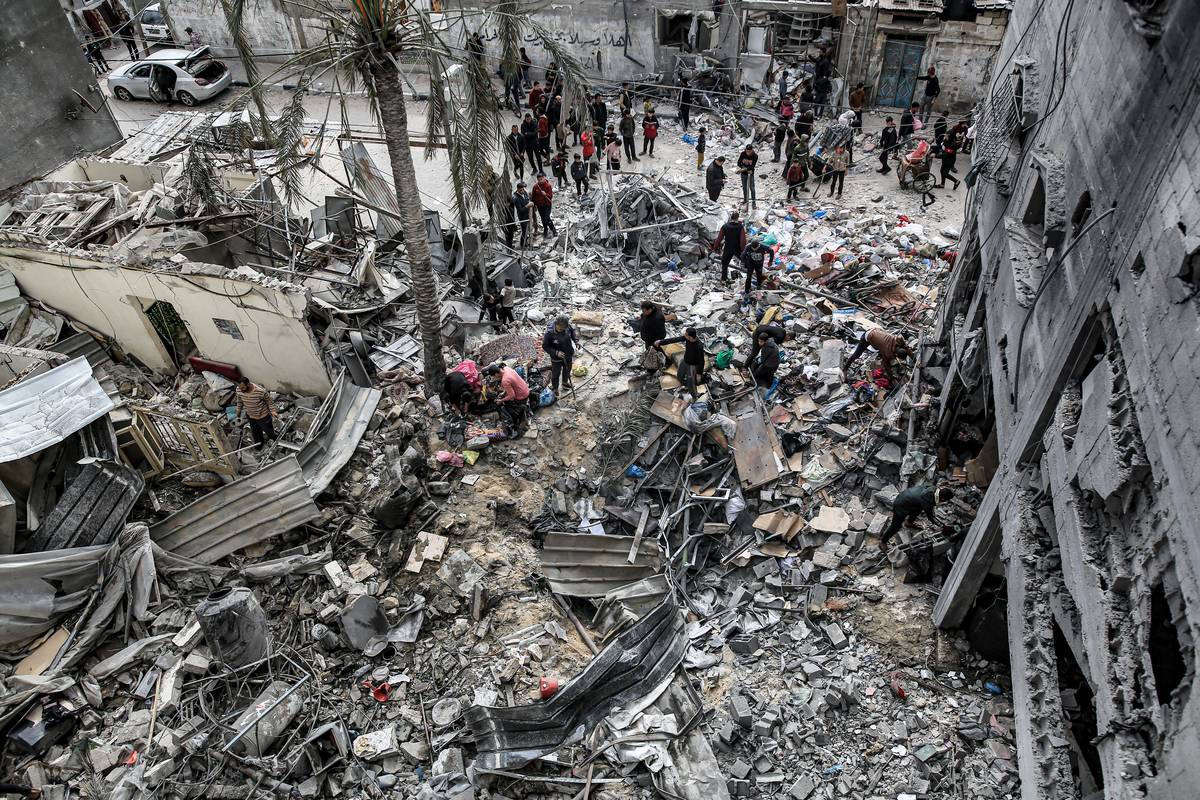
(190, 77)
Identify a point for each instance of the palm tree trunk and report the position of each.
(394, 117)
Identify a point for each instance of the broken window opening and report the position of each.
(1139, 266)
(1079, 710)
(1189, 275)
(1019, 105)
(960, 11)
(684, 31)
(1083, 212)
(1035, 210)
(229, 328)
(1164, 647)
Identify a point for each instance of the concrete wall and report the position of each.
(41, 62)
(964, 53)
(1094, 361)
(598, 33)
(277, 348)
(274, 28)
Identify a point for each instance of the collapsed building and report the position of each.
(1069, 328)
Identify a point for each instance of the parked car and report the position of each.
(190, 77)
(154, 24)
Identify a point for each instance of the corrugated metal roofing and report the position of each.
(339, 426)
(251, 509)
(635, 662)
(587, 565)
(47, 408)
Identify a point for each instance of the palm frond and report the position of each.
(288, 134)
(506, 17)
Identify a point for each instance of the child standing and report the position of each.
(700, 145)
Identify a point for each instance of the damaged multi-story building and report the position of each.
(1070, 326)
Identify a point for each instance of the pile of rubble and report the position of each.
(647, 591)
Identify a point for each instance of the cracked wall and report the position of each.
(1095, 364)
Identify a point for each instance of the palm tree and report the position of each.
(363, 46)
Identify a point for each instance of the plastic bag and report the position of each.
(546, 398)
(724, 358)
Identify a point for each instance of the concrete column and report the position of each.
(1043, 752)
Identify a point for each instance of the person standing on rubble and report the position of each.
(797, 176)
(701, 146)
(714, 176)
(652, 326)
(780, 136)
(587, 146)
(599, 112)
(837, 170)
(543, 201)
(543, 132)
(573, 126)
(890, 346)
(692, 371)
(558, 167)
(627, 127)
(804, 125)
(888, 140)
(649, 132)
(255, 402)
(515, 145)
(554, 114)
(685, 104)
(525, 63)
(612, 153)
(910, 504)
(520, 201)
(752, 259)
(625, 99)
(746, 164)
(579, 174)
(513, 399)
(558, 342)
(508, 301)
(733, 238)
(489, 306)
(766, 362)
(529, 142)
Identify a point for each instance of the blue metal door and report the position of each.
(901, 65)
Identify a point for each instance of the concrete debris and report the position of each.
(379, 590)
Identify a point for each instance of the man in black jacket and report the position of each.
(515, 145)
(599, 113)
(559, 343)
(773, 332)
(529, 143)
(579, 173)
(654, 324)
(733, 236)
(692, 371)
(714, 178)
(906, 123)
(933, 88)
(766, 364)
(888, 139)
(911, 503)
(752, 261)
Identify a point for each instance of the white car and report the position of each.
(187, 76)
(154, 24)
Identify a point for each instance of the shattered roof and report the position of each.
(47, 408)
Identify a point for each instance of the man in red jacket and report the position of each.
(543, 200)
